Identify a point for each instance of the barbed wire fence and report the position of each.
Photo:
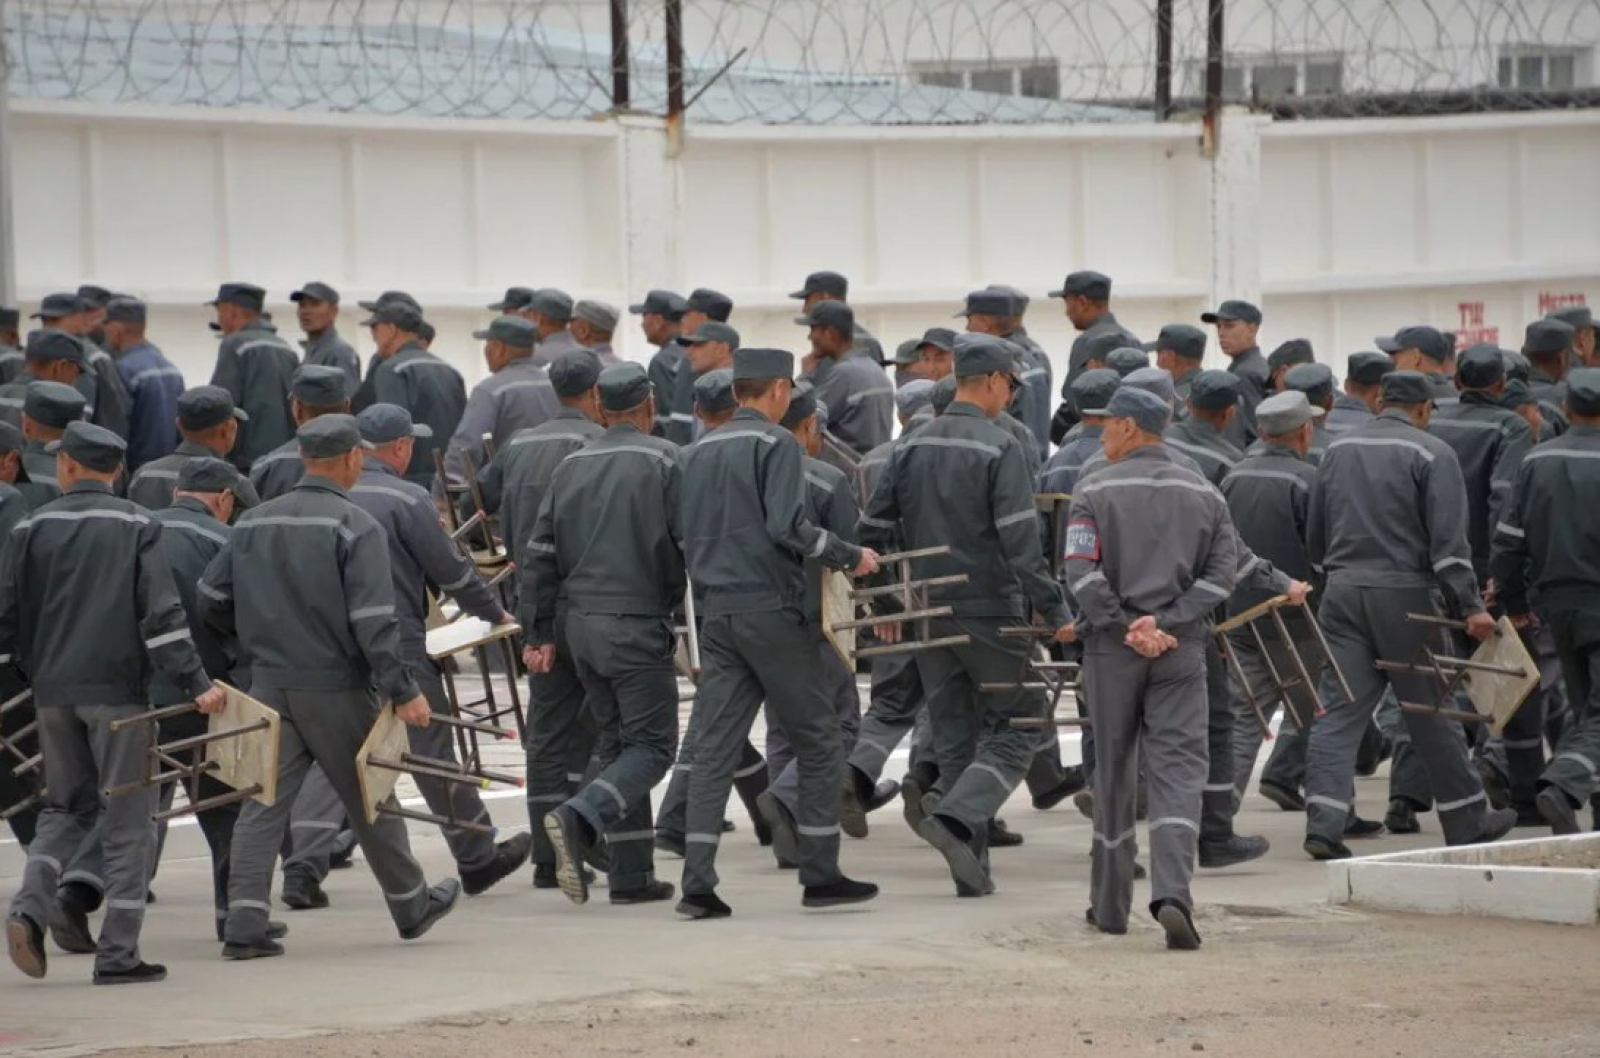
(873, 62)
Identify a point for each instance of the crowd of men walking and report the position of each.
(280, 529)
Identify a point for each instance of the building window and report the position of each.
(1541, 69)
(1033, 78)
(1276, 76)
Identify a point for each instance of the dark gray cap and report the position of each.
(1095, 286)
(1100, 346)
(1480, 366)
(1517, 394)
(624, 387)
(713, 391)
(315, 291)
(55, 306)
(1214, 390)
(661, 303)
(318, 385)
(1152, 380)
(515, 331)
(1232, 309)
(1188, 342)
(1284, 413)
(93, 296)
(515, 298)
(712, 303)
(48, 344)
(802, 405)
(908, 351)
(1583, 391)
(982, 354)
(1125, 360)
(834, 314)
(762, 363)
(92, 446)
(203, 407)
(554, 303)
(425, 332)
(913, 397)
(1314, 380)
(712, 331)
(402, 314)
(11, 439)
(329, 436)
(1576, 316)
(10, 319)
(830, 283)
(597, 314)
(1429, 341)
(1548, 337)
(1148, 411)
(944, 394)
(574, 374)
(1367, 368)
(53, 404)
(1019, 298)
(1518, 367)
(122, 309)
(1407, 387)
(388, 296)
(384, 423)
(206, 474)
(245, 295)
(940, 338)
(1294, 351)
(1091, 391)
(987, 303)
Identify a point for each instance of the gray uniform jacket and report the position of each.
(190, 539)
(745, 530)
(1201, 442)
(1552, 397)
(1025, 440)
(560, 342)
(862, 343)
(40, 466)
(1035, 403)
(1145, 537)
(663, 371)
(329, 350)
(87, 604)
(13, 508)
(304, 584)
(1445, 394)
(1546, 554)
(1084, 342)
(1390, 510)
(831, 505)
(860, 400)
(1062, 471)
(1250, 368)
(12, 396)
(1348, 413)
(1490, 442)
(517, 397)
(430, 389)
(873, 464)
(607, 356)
(11, 363)
(962, 482)
(421, 557)
(106, 396)
(1269, 494)
(277, 472)
(155, 482)
(515, 484)
(682, 426)
(255, 366)
(608, 537)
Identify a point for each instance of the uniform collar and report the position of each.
(321, 484)
(572, 413)
(1478, 398)
(88, 485)
(967, 408)
(1273, 450)
(1187, 376)
(329, 335)
(748, 414)
(373, 465)
(189, 503)
(1583, 429)
(1251, 355)
(1349, 403)
(625, 428)
(413, 346)
(519, 363)
(1396, 415)
(1153, 451)
(194, 448)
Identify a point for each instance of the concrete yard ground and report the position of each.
(918, 972)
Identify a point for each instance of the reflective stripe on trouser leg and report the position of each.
(315, 821)
(952, 715)
(1575, 766)
(470, 849)
(896, 698)
(1113, 678)
(260, 830)
(1216, 806)
(1175, 717)
(1336, 735)
(561, 736)
(839, 685)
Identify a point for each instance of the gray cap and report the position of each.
(329, 436)
(1518, 367)
(1429, 341)
(713, 391)
(1152, 380)
(1095, 286)
(55, 306)
(315, 292)
(556, 304)
(1517, 394)
(597, 314)
(1314, 380)
(762, 363)
(11, 439)
(1232, 310)
(245, 295)
(48, 345)
(913, 397)
(1188, 342)
(1367, 368)
(515, 331)
(203, 407)
(1214, 391)
(53, 404)
(10, 319)
(1019, 298)
(1126, 360)
(1407, 387)
(383, 423)
(1575, 316)
(95, 297)
(391, 295)
(208, 475)
(1548, 337)
(1100, 346)
(574, 374)
(624, 387)
(1091, 391)
(830, 283)
(712, 303)
(802, 405)
(944, 393)
(93, 446)
(987, 303)
(1148, 411)
(515, 298)
(1294, 351)
(1583, 391)
(662, 303)
(1480, 366)
(834, 314)
(908, 351)
(940, 338)
(122, 309)
(712, 331)
(402, 314)
(318, 386)
(1284, 413)
(981, 354)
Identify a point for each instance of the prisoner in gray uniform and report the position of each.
(1180, 349)
(1149, 555)
(1387, 527)
(608, 541)
(1088, 395)
(661, 318)
(52, 356)
(209, 424)
(831, 286)
(48, 409)
(703, 306)
(1203, 436)
(516, 396)
(593, 324)
(254, 365)
(995, 542)
(551, 312)
(314, 391)
(317, 306)
(859, 395)
(88, 610)
(745, 535)
(102, 385)
(1088, 297)
(1363, 381)
(1237, 324)
(317, 557)
(409, 375)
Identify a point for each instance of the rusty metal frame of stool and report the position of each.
(386, 755)
(915, 610)
(1271, 610)
(483, 715)
(1451, 673)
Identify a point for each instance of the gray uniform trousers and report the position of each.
(1575, 768)
(561, 738)
(82, 757)
(749, 658)
(1216, 799)
(1362, 625)
(839, 687)
(1286, 765)
(328, 728)
(317, 828)
(626, 665)
(470, 848)
(1519, 750)
(749, 777)
(1154, 710)
(897, 699)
